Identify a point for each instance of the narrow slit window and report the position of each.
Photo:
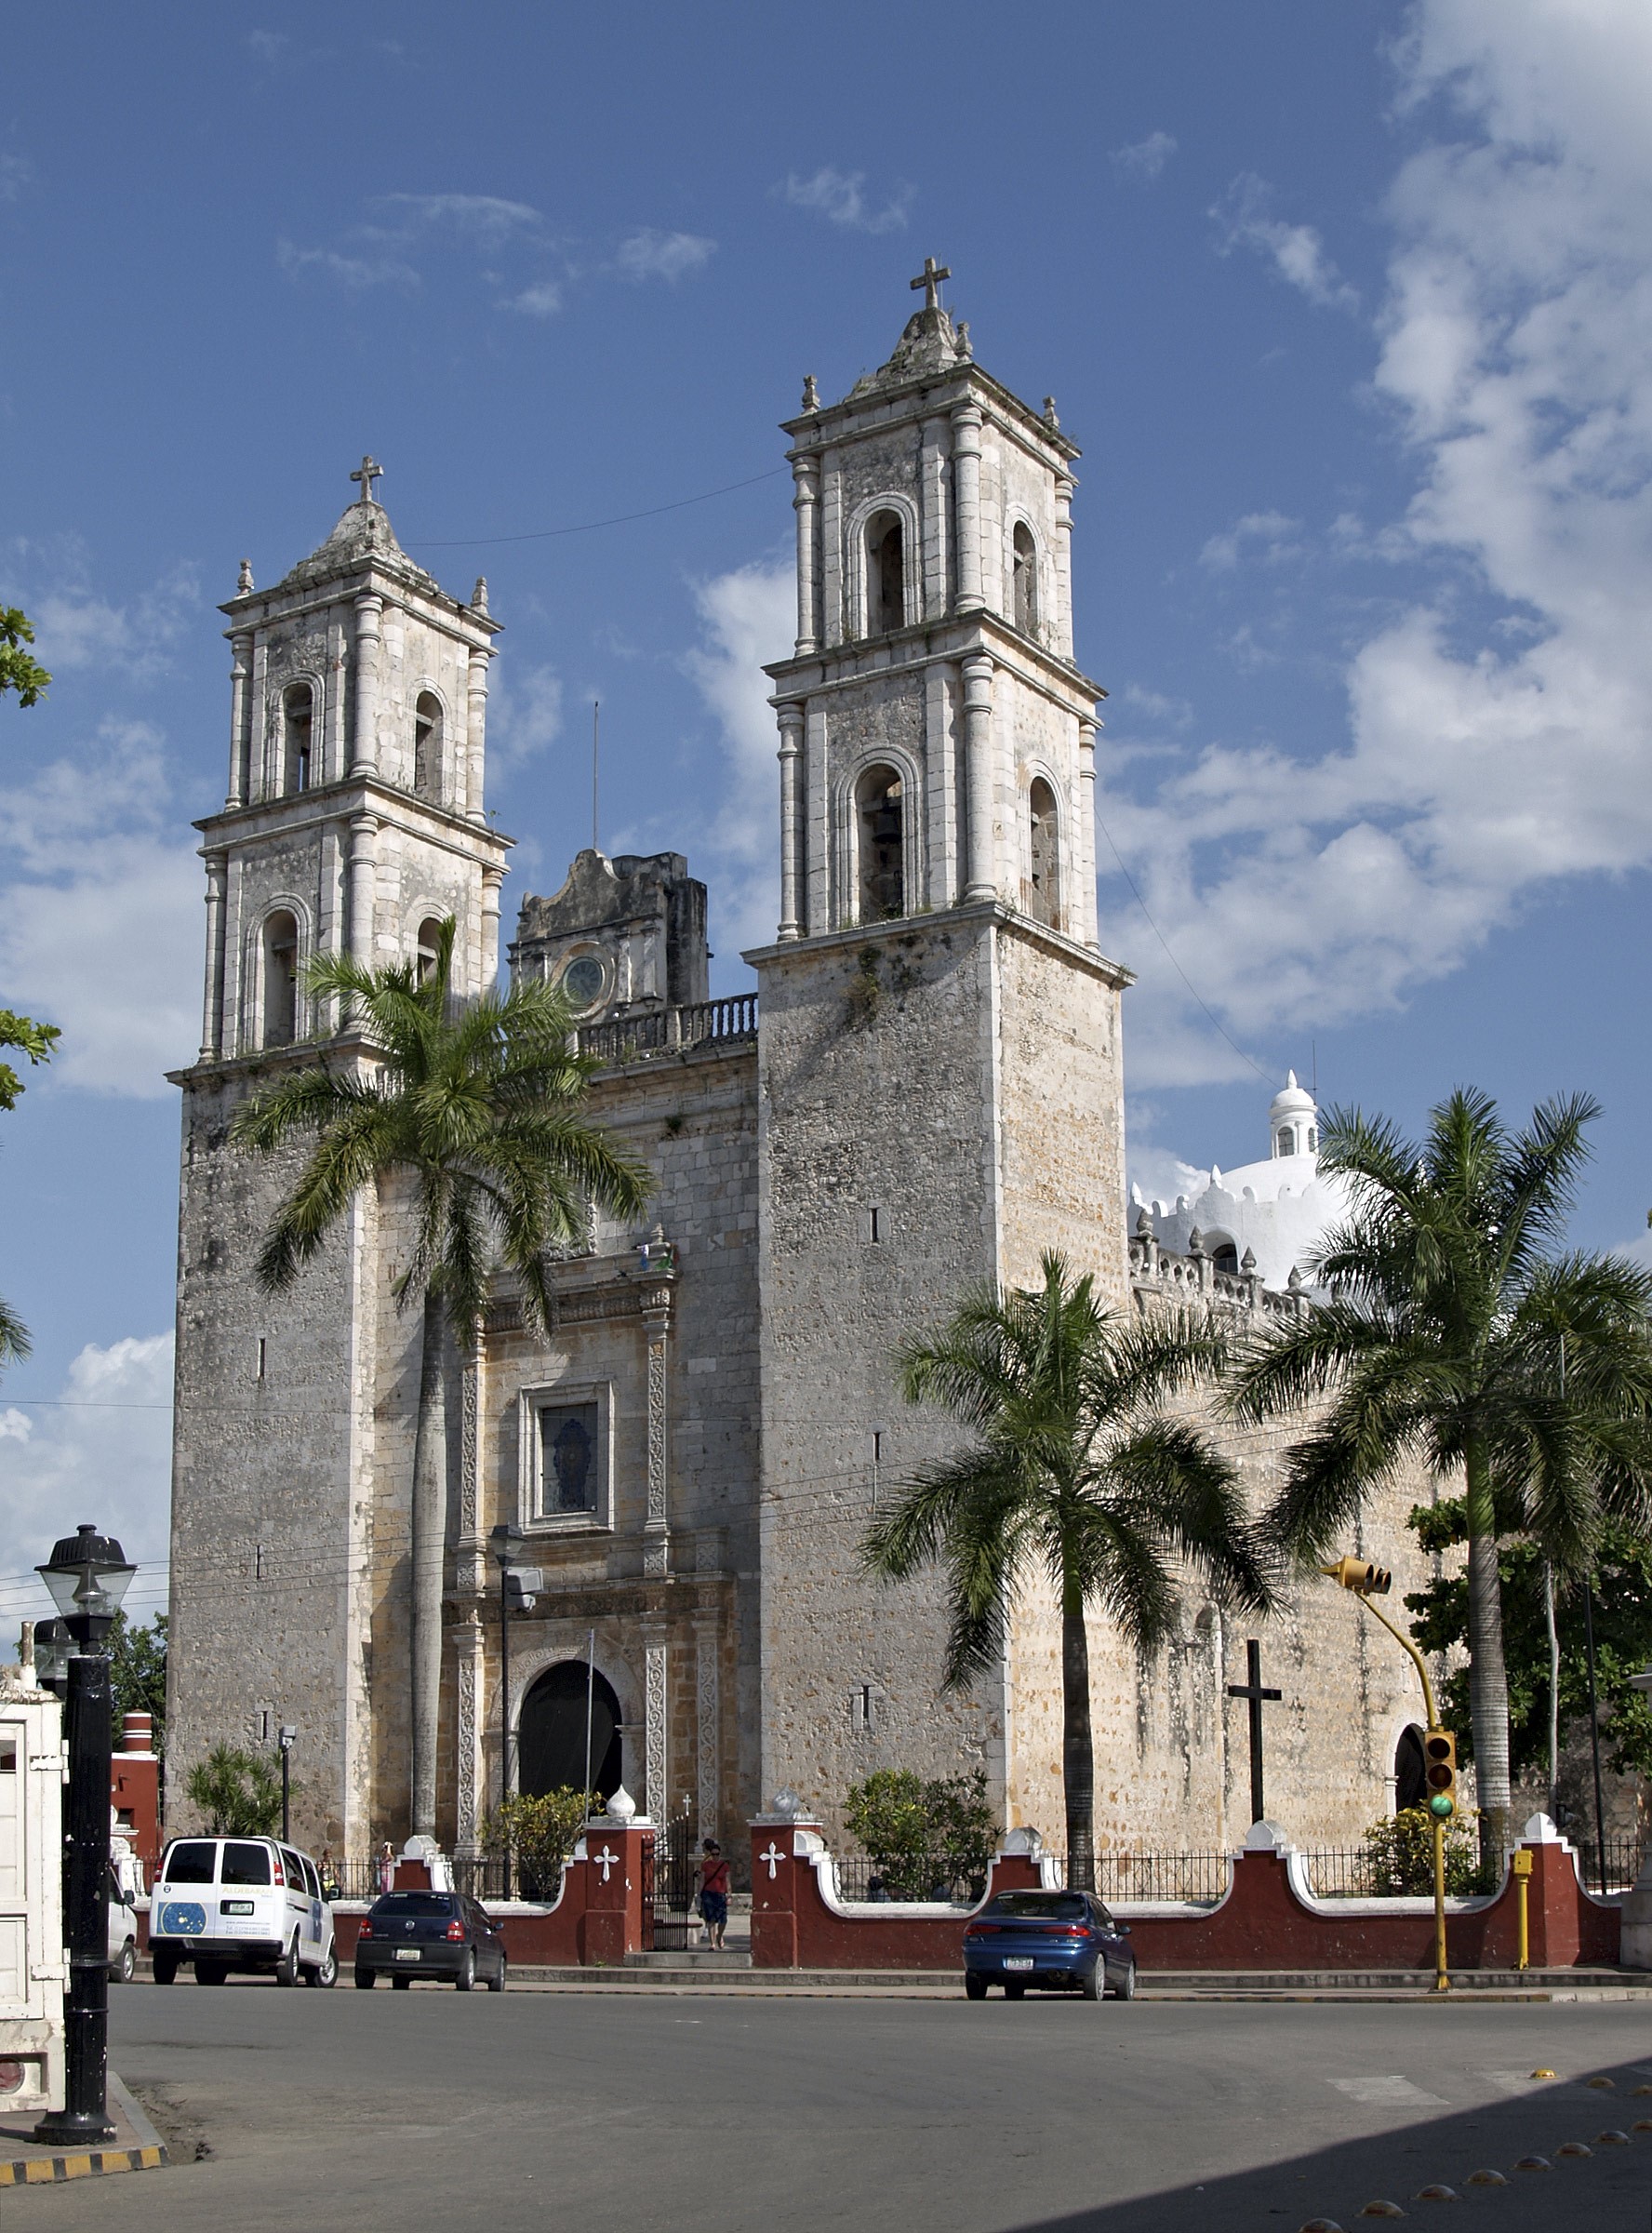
(885, 574)
(874, 1225)
(262, 1355)
(281, 979)
(298, 721)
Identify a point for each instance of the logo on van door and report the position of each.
(183, 1919)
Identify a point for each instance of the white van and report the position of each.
(240, 1904)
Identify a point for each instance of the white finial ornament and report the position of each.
(479, 595)
(622, 1807)
(244, 586)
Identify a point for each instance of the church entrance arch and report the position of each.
(1410, 1777)
(551, 1734)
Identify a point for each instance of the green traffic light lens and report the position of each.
(1441, 1805)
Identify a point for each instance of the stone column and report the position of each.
(491, 880)
(1061, 636)
(708, 1673)
(212, 1008)
(655, 1306)
(805, 473)
(1082, 916)
(967, 466)
(469, 1772)
(258, 774)
(363, 872)
(791, 720)
(656, 1709)
(978, 776)
(240, 720)
(934, 555)
(365, 755)
(476, 738)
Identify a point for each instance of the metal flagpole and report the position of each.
(595, 715)
(590, 1699)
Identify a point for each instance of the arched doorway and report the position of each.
(551, 1734)
(1410, 1776)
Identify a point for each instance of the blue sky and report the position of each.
(1349, 309)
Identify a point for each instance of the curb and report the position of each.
(98, 2162)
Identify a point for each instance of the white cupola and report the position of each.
(1293, 1121)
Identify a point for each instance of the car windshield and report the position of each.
(190, 1862)
(1041, 1906)
(245, 1863)
(414, 1903)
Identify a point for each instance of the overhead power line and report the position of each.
(589, 526)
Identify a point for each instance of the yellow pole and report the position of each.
(1521, 1866)
(1442, 1977)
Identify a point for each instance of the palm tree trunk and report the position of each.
(429, 1545)
(1488, 1678)
(1078, 1754)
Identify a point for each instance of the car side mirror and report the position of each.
(1123, 1929)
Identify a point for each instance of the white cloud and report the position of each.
(523, 715)
(1146, 158)
(101, 927)
(268, 46)
(491, 219)
(103, 1452)
(353, 273)
(1499, 739)
(542, 299)
(1156, 706)
(749, 616)
(1269, 536)
(16, 173)
(15, 1425)
(1297, 253)
(73, 628)
(653, 255)
(841, 197)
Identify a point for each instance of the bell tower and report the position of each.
(937, 741)
(941, 1089)
(354, 822)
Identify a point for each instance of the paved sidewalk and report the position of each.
(136, 2146)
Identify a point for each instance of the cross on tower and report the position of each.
(929, 279)
(1252, 1690)
(372, 471)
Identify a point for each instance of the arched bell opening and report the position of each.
(880, 802)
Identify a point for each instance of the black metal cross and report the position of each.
(371, 471)
(1252, 1690)
(929, 279)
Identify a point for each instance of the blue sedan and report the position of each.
(1056, 1942)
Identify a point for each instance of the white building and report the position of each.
(1268, 1217)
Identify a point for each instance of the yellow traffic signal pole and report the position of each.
(1441, 1978)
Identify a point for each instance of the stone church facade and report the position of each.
(924, 1091)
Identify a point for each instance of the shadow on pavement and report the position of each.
(1607, 2191)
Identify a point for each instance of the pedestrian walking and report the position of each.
(387, 1868)
(331, 1889)
(712, 1877)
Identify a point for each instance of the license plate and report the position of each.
(235, 1908)
(411, 1954)
(1017, 1961)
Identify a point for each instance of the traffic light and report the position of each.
(1360, 1575)
(1439, 1754)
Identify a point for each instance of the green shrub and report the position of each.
(922, 1836)
(1399, 1853)
(539, 1831)
(239, 1793)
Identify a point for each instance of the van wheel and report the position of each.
(124, 1967)
(467, 1973)
(165, 1967)
(211, 1973)
(325, 1972)
(975, 1988)
(290, 1968)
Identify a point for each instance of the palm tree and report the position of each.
(1072, 1470)
(1454, 1335)
(478, 1106)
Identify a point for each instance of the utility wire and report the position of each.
(589, 526)
(1265, 1075)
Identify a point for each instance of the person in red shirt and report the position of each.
(712, 1878)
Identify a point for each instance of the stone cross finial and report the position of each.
(370, 471)
(929, 279)
(244, 586)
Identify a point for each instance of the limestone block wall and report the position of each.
(271, 1547)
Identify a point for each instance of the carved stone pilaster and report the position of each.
(655, 1306)
(656, 1706)
(708, 1714)
(472, 1560)
(471, 1776)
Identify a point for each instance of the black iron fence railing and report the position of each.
(1200, 1876)
(1623, 1859)
(860, 1879)
(675, 1862)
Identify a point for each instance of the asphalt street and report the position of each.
(350, 2110)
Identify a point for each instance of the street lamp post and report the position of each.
(87, 1576)
(518, 1584)
(287, 1736)
(1364, 1581)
